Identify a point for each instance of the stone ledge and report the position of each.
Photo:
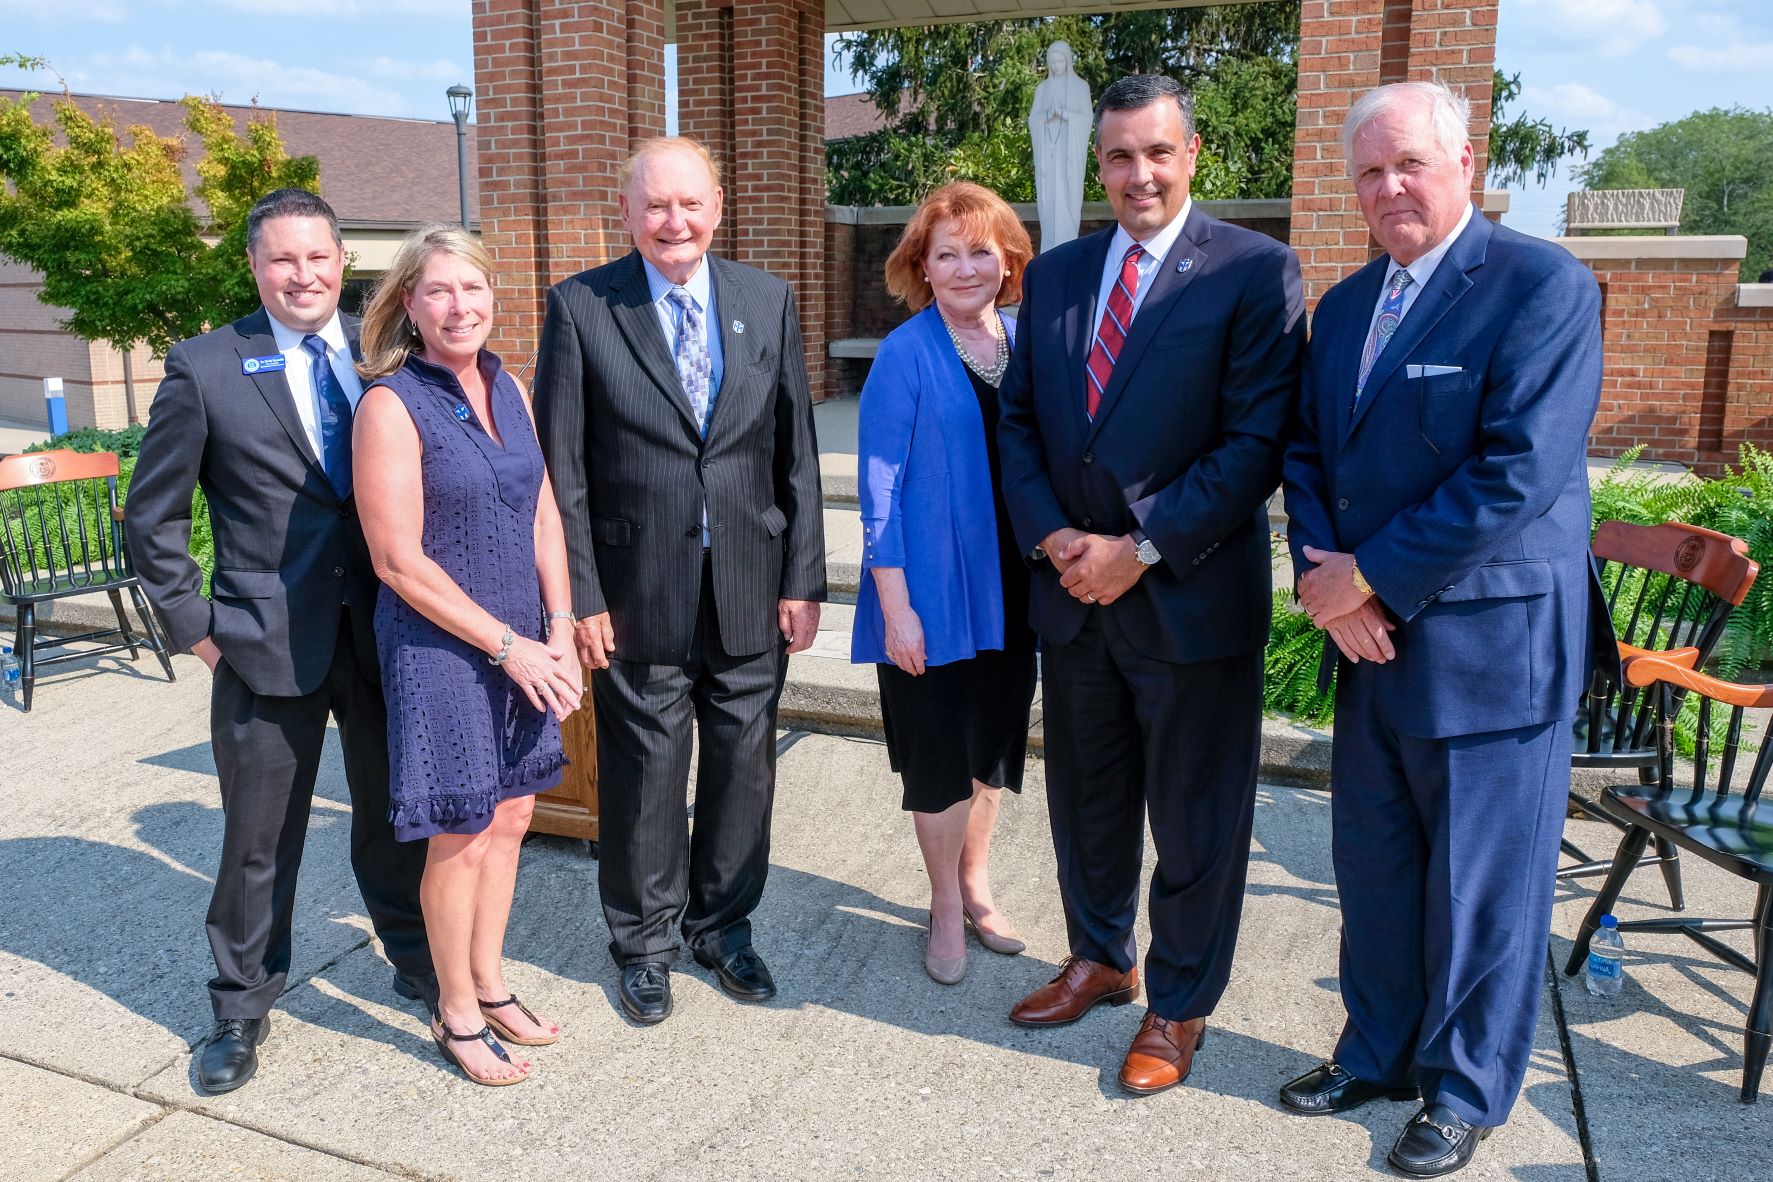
(854, 348)
(1754, 295)
(1093, 211)
(1661, 246)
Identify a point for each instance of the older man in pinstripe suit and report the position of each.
(673, 405)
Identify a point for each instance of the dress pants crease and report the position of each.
(1445, 853)
(655, 875)
(267, 753)
(1129, 736)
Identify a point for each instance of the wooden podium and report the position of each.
(571, 809)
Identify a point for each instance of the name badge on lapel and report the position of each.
(271, 364)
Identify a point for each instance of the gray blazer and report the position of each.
(630, 469)
(288, 552)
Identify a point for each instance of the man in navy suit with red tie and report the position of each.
(1437, 489)
(1154, 370)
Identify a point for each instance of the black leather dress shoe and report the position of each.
(417, 989)
(645, 992)
(232, 1054)
(1327, 1088)
(1436, 1141)
(741, 973)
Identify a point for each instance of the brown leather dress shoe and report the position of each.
(1080, 984)
(1162, 1054)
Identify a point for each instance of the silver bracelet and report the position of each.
(567, 616)
(504, 649)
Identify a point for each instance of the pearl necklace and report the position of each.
(994, 374)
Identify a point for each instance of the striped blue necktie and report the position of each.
(335, 418)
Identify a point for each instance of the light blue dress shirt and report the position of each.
(701, 290)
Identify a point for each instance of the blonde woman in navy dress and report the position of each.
(472, 626)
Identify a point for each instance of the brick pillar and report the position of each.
(705, 90)
(1347, 47)
(564, 89)
(755, 69)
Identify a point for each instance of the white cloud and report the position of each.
(234, 78)
(398, 70)
(1572, 104)
(1606, 27)
(1736, 58)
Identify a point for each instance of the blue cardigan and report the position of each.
(927, 500)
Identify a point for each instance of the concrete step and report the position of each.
(827, 694)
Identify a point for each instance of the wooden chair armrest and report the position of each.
(1686, 658)
(1649, 670)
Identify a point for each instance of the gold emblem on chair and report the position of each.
(1688, 554)
(41, 469)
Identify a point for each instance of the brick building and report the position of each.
(381, 176)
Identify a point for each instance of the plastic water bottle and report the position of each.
(1606, 960)
(11, 675)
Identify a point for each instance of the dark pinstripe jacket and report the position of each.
(630, 469)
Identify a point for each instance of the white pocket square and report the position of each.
(1430, 371)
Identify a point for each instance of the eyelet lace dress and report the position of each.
(461, 735)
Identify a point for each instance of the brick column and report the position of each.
(751, 77)
(564, 89)
(1347, 47)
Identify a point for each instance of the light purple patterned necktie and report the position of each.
(1391, 313)
(695, 369)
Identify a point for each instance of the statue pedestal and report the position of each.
(571, 809)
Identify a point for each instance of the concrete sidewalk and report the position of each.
(861, 1068)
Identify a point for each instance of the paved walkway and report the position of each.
(862, 1068)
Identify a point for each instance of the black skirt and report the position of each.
(960, 722)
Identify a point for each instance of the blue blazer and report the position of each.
(1462, 495)
(927, 501)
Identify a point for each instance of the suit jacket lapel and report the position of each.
(1080, 319)
(1450, 281)
(730, 308)
(256, 341)
(635, 315)
(1187, 258)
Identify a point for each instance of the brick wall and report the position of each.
(1688, 373)
(565, 88)
(1347, 47)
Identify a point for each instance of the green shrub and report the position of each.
(125, 442)
(1289, 672)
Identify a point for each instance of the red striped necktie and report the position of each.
(1111, 334)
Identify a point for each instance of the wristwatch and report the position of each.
(1145, 550)
(1360, 580)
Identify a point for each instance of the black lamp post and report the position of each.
(460, 100)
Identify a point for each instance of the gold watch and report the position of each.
(1360, 580)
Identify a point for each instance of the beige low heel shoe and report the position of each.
(1009, 945)
(944, 970)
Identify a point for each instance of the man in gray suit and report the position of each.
(672, 403)
(259, 414)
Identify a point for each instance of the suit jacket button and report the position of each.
(1342, 504)
(1088, 523)
(707, 463)
(338, 572)
(1089, 457)
(692, 531)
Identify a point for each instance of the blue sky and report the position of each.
(1610, 66)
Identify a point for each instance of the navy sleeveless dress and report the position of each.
(461, 735)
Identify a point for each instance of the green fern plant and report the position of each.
(1289, 681)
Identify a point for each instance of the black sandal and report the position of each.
(442, 1035)
(508, 1034)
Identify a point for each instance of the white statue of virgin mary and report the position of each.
(1059, 125)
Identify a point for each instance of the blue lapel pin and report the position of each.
(461, 411)
(1182, 267)
(739, 326)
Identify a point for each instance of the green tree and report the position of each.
(1724, 161)
(1520, 146)
(962, 94)
(109, 224)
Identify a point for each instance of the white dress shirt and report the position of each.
(299, 373)
(1156, 248)
(1421, 271)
